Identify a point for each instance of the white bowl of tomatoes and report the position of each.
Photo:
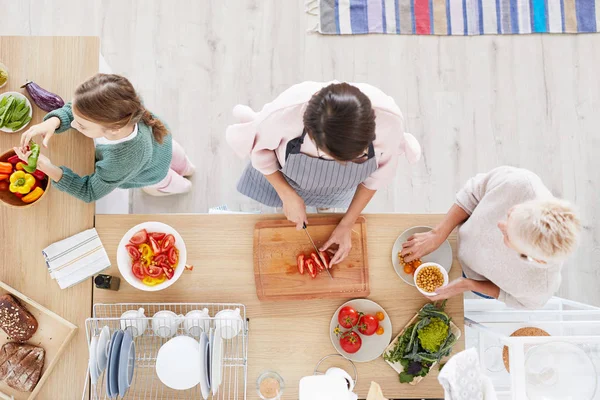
(151, 256)
(360, 330)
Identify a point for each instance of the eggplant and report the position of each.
(44, 99)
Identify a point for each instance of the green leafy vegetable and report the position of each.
(422, 344)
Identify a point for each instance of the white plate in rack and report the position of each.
(204, 386)
(102, 349)
(217, 361)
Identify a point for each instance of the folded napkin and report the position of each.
(76, 258)
(463, 379)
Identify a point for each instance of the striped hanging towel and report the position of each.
(455, 17)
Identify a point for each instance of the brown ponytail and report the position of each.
(111, 101)
(159, 130)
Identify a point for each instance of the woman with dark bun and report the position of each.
(324, 145)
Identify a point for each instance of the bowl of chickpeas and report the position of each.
(429, 277)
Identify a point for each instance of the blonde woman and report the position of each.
(513, 237)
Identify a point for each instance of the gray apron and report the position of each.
(320, 182)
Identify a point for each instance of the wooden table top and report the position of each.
(288, 337)
(58, 64)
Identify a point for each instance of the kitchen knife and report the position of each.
(317, 251)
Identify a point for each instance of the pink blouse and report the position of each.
(264, 135)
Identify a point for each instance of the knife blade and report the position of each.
(317, 251)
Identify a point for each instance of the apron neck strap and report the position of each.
(294, 145)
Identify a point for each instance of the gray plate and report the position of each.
(442, 256)
(112, 373)
(126, 363)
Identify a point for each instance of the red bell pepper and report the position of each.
(39, 174)
(14, 159)
(19, 195)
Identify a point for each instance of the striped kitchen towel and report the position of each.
(76, 258)
(455, 17)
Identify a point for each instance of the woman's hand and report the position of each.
(421, 244)
(45, 129)
(454, 288)
(295, 210)
(342, 237)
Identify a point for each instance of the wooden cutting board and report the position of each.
(276, 245)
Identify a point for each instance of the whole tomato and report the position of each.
(350, 342)
(368, 324)
(348, 317)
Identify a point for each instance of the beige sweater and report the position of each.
(481, 250)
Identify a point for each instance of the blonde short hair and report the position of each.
(544, 229)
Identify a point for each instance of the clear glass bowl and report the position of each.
(270, 385)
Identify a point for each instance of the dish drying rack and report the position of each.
(145, 384)
(488, 324)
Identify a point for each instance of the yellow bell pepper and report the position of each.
(33, 196)
(149, 281)
(21, 182)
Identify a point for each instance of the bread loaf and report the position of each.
(15, 320)
(21, 365)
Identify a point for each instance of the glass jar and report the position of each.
(270, 385)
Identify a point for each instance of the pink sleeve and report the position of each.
(265, 141)
(391, 141)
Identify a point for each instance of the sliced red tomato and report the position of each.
(161, 258)
(167, 243)
(326, 258)
(350, 342)
(158, 236)
(133, 251)
(173, 256)
(317, 261)
(139, 237)
(153, 271)
(138, 270)
(312, 269)
(154, 245)
(348, 317)
(169, 272)
(300, 262)
(368, 324)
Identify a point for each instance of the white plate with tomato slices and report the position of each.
(151, 256)
(360, 330)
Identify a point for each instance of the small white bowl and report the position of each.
(124, 260)
(19, 96)
(431, 264)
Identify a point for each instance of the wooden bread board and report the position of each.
(276, 245)
(53, 335)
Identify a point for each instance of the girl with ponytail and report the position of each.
(134, 149)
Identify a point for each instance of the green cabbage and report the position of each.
(433, 335)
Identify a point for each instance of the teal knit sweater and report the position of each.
(135, 163)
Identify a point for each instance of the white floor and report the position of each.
(474, 102)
